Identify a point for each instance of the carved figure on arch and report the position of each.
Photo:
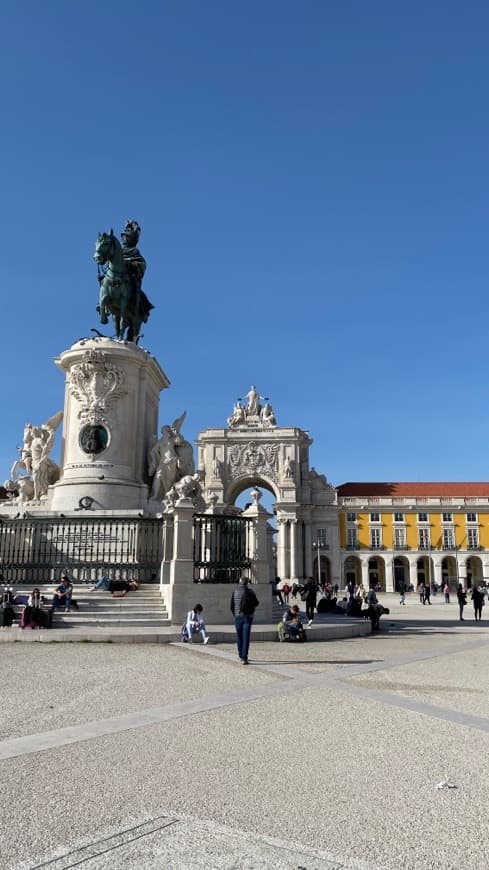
(267, 417)
(238, 417)
(288, 468)
(254, 397)
(217, 468)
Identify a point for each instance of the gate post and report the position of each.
(260, 551)
(182, 563)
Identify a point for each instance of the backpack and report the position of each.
(184, 633)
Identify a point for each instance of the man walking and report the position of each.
(243, 605)
(311, 593)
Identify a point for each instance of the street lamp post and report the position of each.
(317, 544)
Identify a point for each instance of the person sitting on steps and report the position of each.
(62, 594)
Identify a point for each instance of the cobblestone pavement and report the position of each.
(317, 756)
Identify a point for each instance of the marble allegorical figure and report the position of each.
(237, 417)
(253, 408)
(162, 464)
(267, 416)
(170, 459)
(34, 459)
(288, 468)
(253, 414)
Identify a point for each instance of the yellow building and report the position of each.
(394, 533)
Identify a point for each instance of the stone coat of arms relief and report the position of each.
(96, 383)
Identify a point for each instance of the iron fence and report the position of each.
(38, 549)
(223, 548)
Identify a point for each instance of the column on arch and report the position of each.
(282, 549)
(308, 547)
(293, 550)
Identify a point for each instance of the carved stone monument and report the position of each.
(253, 451)
(111, 414)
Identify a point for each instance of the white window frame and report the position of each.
(448, 538)
(375, 538)
(424, 533)
(351, 517)
(473, 533)
(375, 517)
(400, 538)
(471, 517)
(447, 517)
(351, 539)
(422, 517)
(398, 517)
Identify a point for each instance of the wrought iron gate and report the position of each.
(36, 550)
(223, 548)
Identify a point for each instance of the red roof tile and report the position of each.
(413, 489)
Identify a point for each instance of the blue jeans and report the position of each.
(191, 629)
(103, 582)
(64, 601)
(243, 630)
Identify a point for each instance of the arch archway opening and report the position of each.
(376, 573)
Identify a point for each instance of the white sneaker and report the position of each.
(310, 622)
(206, 640)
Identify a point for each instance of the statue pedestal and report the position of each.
(110, 420)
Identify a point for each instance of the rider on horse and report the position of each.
(135, 262)
(121, 293)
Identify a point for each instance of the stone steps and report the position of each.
(141, 608)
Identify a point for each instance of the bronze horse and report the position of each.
(129, 307)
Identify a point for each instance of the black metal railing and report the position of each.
(36, 550)
(222, 548)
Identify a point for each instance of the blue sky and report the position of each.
(311, 181)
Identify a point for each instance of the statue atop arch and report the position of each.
(249, 413)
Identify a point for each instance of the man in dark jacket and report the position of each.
(311, 593)
(243, 605)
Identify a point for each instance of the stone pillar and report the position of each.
(293, 550)
(308, 546)
(282, 549)
(389, 575)
(438, 575)
(182, 564)
(413, 574)
(167, 549)
(260, 517)
(364, 566)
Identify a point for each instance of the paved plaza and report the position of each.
(323, 755)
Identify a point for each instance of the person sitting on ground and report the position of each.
(291, 624)
(62, 594)
(195, 623)
(122, 586)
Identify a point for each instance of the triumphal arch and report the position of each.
(254, 451)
